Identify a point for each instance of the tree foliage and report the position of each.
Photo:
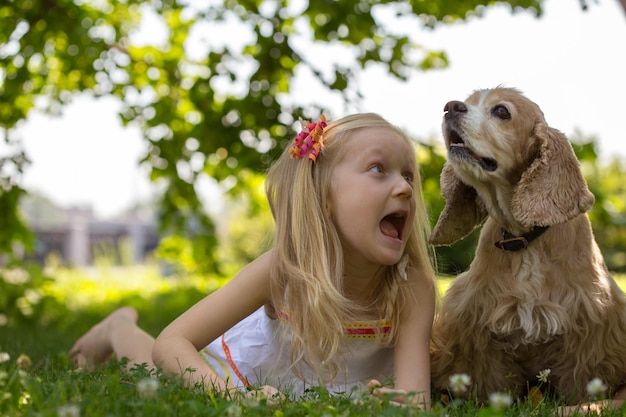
(210, 89)
(608, 214)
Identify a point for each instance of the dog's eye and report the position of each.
(501, 112)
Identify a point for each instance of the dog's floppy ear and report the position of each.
(462, 213)
(552, 190)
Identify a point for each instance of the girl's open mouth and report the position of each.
(392, 225)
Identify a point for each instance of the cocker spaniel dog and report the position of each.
(537, 294)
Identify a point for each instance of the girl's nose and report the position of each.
(403, 188)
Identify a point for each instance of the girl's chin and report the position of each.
(392, 258)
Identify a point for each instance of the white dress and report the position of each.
(259, 356)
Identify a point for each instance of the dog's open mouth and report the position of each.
(392, 225)
(456, 146)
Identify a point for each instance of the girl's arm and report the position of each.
(176, 348)
(412, 350)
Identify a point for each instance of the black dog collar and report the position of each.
(512, 243)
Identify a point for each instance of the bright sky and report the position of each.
(572, 63)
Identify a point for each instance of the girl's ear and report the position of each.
(463, 211)
(552, 190)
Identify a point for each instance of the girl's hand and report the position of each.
(395, 396)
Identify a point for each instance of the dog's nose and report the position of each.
(452, 108)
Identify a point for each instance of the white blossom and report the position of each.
(596, 387)
(4, 357)
(68, 410)
(543, 375)
(15, 276)
(500, 400)
(234, 410)
(147, 387)
(24, 362)
(459, 383)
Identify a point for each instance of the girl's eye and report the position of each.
(408, 177)
(376, 168)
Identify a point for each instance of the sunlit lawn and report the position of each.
(76, 299)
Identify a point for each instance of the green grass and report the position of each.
(36, 378)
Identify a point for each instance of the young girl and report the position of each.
(344, 298)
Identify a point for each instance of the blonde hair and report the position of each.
(307, 272)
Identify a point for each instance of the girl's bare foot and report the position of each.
(95, 346)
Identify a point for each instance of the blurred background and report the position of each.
(137, 133)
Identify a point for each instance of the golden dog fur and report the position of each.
(551, 305)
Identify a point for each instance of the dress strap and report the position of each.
(232, 364)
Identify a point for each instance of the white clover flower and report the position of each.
(500, 400)
(147, 387)
(596, 387)
(68, 410)
(543, 375)
(459, 383)
(249, 402)
(16, 276)
(234, 410)
(4, 357)
(24, 362)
